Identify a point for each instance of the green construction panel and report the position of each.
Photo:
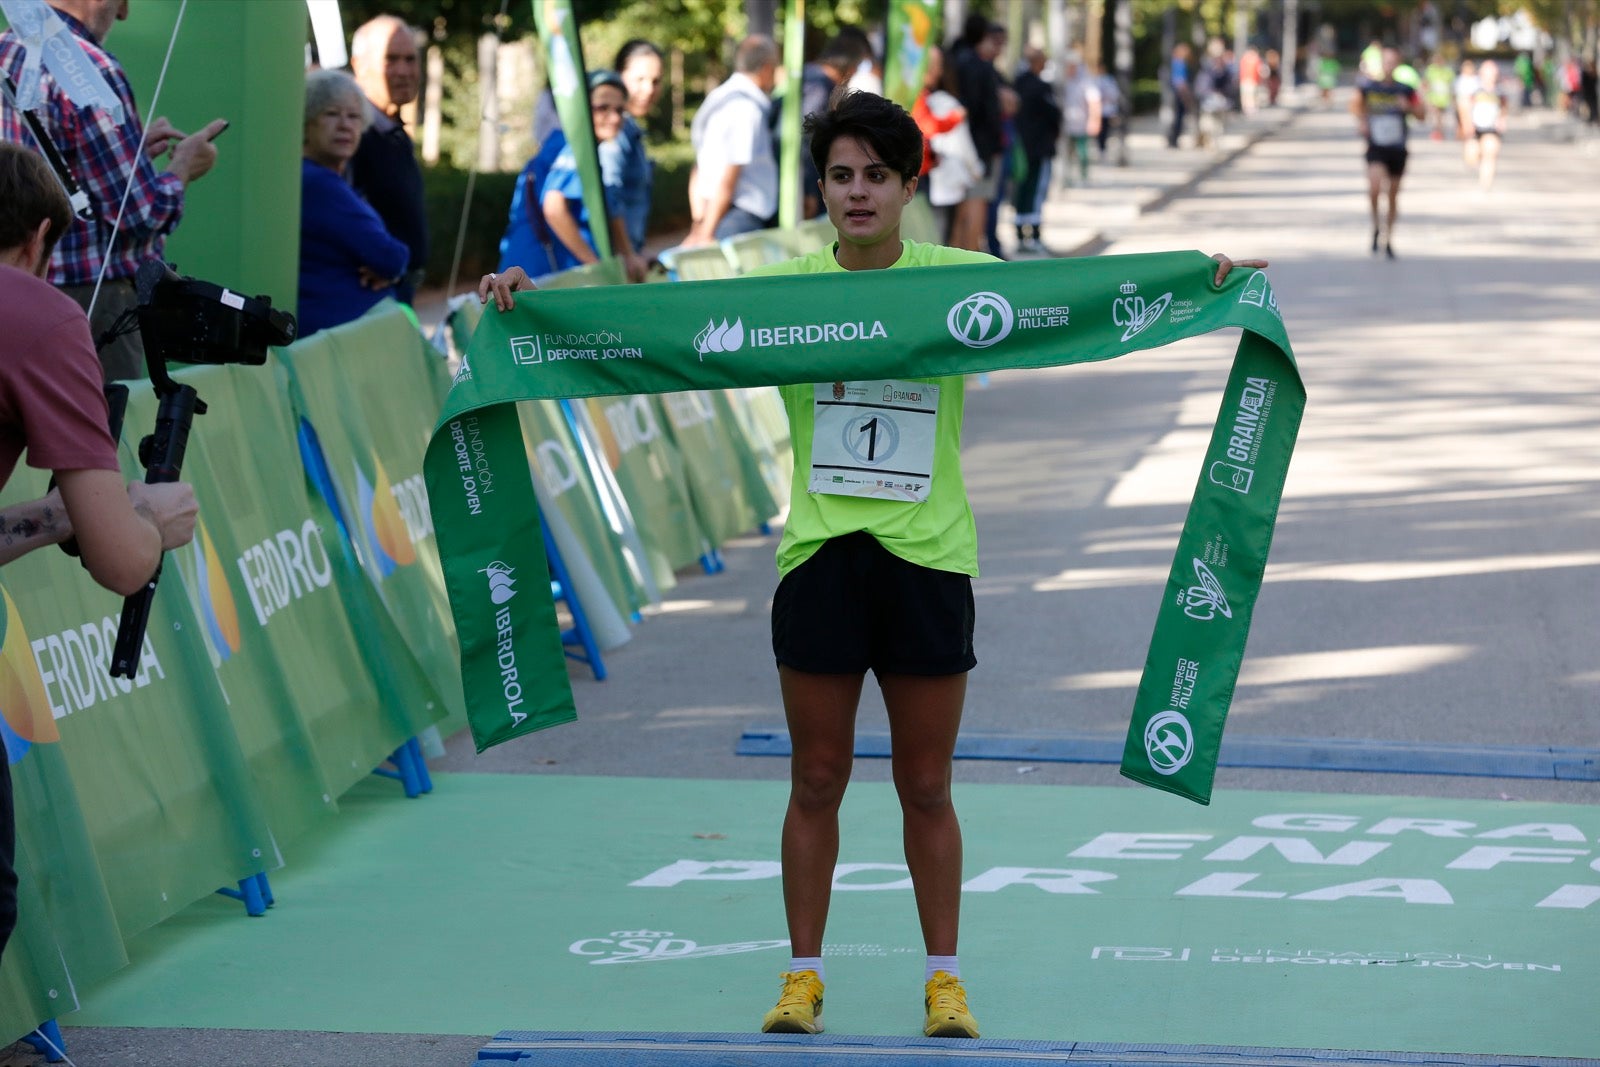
(1092, 914)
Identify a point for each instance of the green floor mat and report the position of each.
(1089, 914)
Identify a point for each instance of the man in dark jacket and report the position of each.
(1038, 125)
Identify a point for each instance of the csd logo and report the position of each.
(502, 581)
(981, 320)
(1132, 313)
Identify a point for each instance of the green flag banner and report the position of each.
(558, 29)
(789, 118)
(894, 324)
(913, 27)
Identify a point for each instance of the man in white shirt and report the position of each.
(735, 185)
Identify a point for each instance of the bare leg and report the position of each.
(1394, 213)
(1375, 176)
(1489, 156)
(821, 710)
(924, 717)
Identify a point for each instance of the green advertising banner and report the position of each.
(558, 29)
(565, 489)
(232, 230)
(878, 325)
(912, 28)
(366, 389)
(154, 763)
(268, 578)
(649, 469)
(728, 499)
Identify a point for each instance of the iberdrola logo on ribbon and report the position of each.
(25, 718)
(383, 528)
(719, 338)
(211, 594)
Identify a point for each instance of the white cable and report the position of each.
(144, 132)
(55, 1048)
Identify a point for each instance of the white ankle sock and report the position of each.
(948, 964)
(808, 963)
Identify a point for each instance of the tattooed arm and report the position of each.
(33, 524)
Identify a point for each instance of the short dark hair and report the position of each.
(632, 48)
(29, 194)
(882, 124)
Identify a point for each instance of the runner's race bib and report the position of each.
(1386, 131)
(874, 439)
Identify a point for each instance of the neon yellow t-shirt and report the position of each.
(938, 532)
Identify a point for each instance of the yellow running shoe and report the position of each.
(799, 1009)
(946, 1001)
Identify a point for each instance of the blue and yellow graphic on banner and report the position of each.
(25, 718)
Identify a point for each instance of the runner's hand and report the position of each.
(1224, 265)
(513, 280)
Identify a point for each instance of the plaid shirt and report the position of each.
(101, 156)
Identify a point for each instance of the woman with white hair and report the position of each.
(348, 260)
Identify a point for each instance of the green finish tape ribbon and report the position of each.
(869, 325)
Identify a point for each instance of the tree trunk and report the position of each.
(489, 101)
(432, 98)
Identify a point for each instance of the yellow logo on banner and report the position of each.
(382, 525)
(25, 718)
(215, 599)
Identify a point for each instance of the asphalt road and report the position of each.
(1436, 568)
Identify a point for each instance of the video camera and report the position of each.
(183, 320)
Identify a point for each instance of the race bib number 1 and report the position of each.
(874, 439)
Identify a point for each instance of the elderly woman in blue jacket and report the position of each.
(348, 261)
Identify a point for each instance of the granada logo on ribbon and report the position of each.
(1169, 742)
(25, 713)
(981, 320)
(723, 338)
(1258, 293)
(1130, 311)
(1205, 600)
(1251, 414)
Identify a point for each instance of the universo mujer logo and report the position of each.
(981, 320)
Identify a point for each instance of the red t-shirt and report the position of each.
(51, 403)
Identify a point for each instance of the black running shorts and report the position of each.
(1392, 158)
(854, 606)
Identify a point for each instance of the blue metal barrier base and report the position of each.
(255, 892)
(1299, 754)
(46, 1035)
(557, 1049)
(410, 769)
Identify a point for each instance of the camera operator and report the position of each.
(104, 157)
(53, 408)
